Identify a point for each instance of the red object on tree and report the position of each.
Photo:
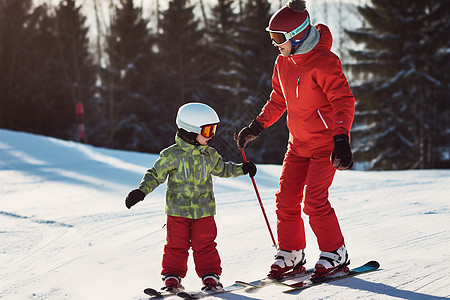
(79, 112)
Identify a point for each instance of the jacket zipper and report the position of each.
(298, 82)
(185, 169)
(323, 120)
(204, 168)
(292, 60)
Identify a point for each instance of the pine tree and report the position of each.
(43, 116)
(73, 69)
(222, 83)
(126, 78)
(254, 70)
(181, 47)
(403, 113)
(257, 55)
(221, 34)
(14, 35)
(45, 60)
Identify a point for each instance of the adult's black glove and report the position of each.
(249, 168)
(249, 133)
(342, 157)
(134, 197)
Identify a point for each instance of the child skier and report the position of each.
(190, 203)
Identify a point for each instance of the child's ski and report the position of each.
(268, 281)
(249, 286)
(368, 267)
(206, 293)
(153, 293)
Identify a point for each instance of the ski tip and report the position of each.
(373, 264)
(152, 292)
(183, 295)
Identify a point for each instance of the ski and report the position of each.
(153, 293)
(239, 285)
(206, 293)
(254, 285)
(310, 282)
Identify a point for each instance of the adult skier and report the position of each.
(309, 83)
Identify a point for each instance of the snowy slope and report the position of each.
(66, 234)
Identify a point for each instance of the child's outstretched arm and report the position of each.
(152, 178)
(231, 169)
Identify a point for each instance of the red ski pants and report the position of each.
(183, 234)
(306, 179)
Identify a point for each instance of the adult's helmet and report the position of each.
(192, 117)
(289, 22)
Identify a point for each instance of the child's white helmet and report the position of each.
(192, 117)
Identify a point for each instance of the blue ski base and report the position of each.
(301, 285)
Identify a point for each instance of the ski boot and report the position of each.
(287, 263)
(334, 264)
(211, 282)
(172, 283)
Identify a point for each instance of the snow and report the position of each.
(66, 234)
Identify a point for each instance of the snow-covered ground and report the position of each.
(65, 232)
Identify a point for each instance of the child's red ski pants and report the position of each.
(198, 234)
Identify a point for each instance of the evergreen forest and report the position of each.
(132, 70)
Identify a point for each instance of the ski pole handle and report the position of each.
(259, 198)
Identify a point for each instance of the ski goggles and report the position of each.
(280, 37)
(208, 130)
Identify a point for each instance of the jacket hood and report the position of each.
(326, 40)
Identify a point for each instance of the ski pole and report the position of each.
(259, 197)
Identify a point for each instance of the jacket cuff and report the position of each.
(341, 130)
(240, 169)
(341, 138)
(256, 127)
(147, 186)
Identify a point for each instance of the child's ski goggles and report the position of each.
(280, 37)
(208, 130)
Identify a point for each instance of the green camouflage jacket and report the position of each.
(189, 191)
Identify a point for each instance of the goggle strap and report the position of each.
(297, 30)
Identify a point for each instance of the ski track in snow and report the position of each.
(66, 234)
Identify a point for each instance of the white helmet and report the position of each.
(192, 116)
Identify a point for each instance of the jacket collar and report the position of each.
(191, 149)
(320, 37)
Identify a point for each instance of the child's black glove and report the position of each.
(134, 197)
(249, 168)
(342, 157)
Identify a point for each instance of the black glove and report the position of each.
(342, 157)
(134, 197)
(249, 133)
(249, 168)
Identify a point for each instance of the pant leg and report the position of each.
(176, 250)
(290, 226)
(206, 256)
(322, 217)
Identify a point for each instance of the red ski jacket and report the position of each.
(315, 92)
